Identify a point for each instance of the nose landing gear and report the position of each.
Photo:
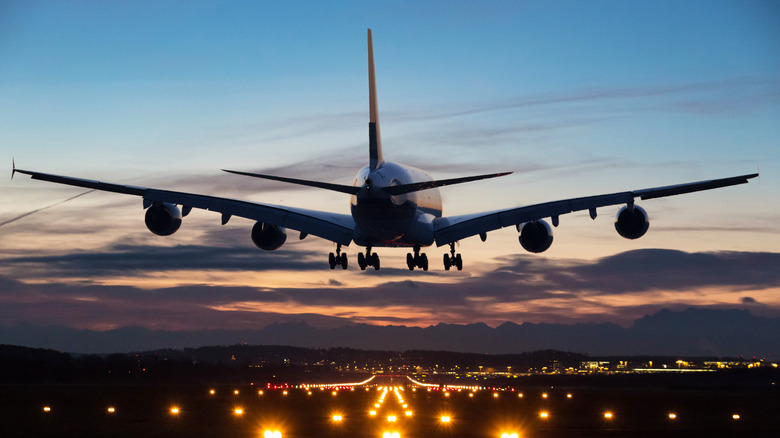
(370, 259)
(453, 259)
(337, 259)
(417, 260)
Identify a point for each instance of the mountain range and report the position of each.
(690, 332)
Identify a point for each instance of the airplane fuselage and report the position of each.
(396, 221)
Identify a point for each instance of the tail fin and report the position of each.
(374, 138)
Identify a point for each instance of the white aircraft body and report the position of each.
(392, 205)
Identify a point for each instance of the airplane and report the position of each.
(392, 205)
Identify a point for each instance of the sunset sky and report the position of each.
(577, 98)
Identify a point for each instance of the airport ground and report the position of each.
(193, 410)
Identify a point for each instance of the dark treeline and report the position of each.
(282, 364)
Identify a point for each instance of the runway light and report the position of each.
(543, 415)
(392, 418)
(260, 392)
(445, 419)
(284, 392)
(608, 415)
(174, 411)
(235, 392)
(408, 413)
(520, 395)
(404, 405)
(672, 415)
(735, 416)
(372, 413)
(238, 411)
(333, 393)
(272, 434)
(111, 410)
(568, 395)
(509, 435)
(376, 405)
(471, 394)
(495, 395)
(212, 392)
(337, 418)
(391, 435)
(46, 409)
(544, 395)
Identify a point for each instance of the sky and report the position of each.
(577, 98)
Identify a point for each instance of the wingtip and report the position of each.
(13, 167)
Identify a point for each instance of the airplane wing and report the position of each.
(330, 226)
(451, 229)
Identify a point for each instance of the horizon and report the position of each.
(577, 99)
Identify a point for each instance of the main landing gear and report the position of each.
(370, 259)
(453, 260)
(417, 260)
(337, 259)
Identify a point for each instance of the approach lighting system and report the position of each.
(509, 435)
(272, 434)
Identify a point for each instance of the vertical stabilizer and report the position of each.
(374, 138)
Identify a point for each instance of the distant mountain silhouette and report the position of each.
(691, 332)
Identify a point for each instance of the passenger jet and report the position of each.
(392, 205)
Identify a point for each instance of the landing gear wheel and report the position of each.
(362, 261)
(375, 261)
(453, 259)
(332, 261)
(343, 261)
(410, 261)
(424, 262)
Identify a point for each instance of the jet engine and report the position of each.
(632, 223)
(163, 219)
(268, 237)
(536, 236)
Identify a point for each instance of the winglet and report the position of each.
(13, 167)
(374, 137)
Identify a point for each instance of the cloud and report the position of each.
(618, 288)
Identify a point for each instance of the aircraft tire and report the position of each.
(410, 261)
(361, 261)
(459, 262)
(447, 262)
(332, 261)
(343, 261)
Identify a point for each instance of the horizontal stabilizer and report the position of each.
(351, 190)
(425, 185)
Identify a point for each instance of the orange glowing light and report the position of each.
(543, 415)
(337, 418)
(568, 395)
(672, 415)
(212, 392)
(392, 418)
(520, 395)
(608, 415)
(111, 410)
(284, 392)
(446, 419)
(509, 435)
(544, 395)
(408, 413)
(235, 392)
(372, 413)
(260, 392)
(238, 411)
(272, 434)
(174, 411)
(46, 409)
(495, 395)
(735, 416)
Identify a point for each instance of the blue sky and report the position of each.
(578, 98)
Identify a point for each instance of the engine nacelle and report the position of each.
(268, 237)
(163, 219)
(632, 224)
(536, 236)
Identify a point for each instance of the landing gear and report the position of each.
(453, 259)
(337, 259)
(370, 259)
(417, 260)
